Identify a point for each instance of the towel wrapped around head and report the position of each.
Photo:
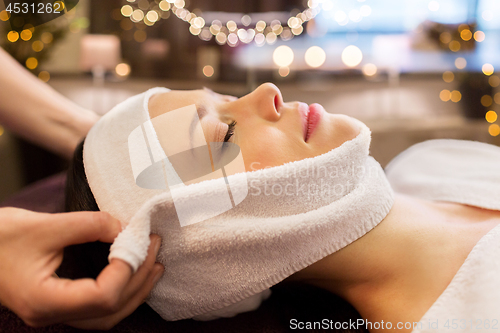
(225, 262)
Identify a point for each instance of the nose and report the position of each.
(265, 101)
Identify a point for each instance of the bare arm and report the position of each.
(37, 112)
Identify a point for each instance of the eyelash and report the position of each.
(230, 131)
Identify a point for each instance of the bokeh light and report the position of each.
(494, 130)
(494, 81)
(488, 69)
(152, 16)
(31, 63)
(448, 76)
(26, 34)
(454, 46)
(208, 71)
(497, 98)
(137, 15)
(369, 69)
(491, 116)
(456, 96)
(60, 6)
(445, 37)
(315, 56)
(164, 5)
(12, 36)
(122, 69)
(4, 15)
(46, 37)
(284, 71)
(460, 63)
(283, 56)
(486, 100)
(1, 130)
(127, 10)
(466, 35)
(44, 76)
(271, 38)
(37, 46)
(445, 95)
(352, 56)
(140, 36)
(479, 36)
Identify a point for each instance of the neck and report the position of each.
(377, 272)
(409, 258)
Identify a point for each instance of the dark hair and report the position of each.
(291, 300)
(78, 195)
(81, 260)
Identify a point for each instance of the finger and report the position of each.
(139, 278)
(140, 281)
(82, 227)
(84, 298)
(107, 322)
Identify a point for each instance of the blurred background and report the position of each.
(412, 70)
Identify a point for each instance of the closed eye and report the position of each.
(230, 131)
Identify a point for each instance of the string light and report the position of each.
(283, 56)
(31, 63)
(122, 69)
(315, 56)
(494, 130)
(448, 76)
(494, 81)
(37, 46)
(352, 56)
(491, 116)
(149, 12)
(488, 69)
(284, 71)
(497, 98)
(479, 36)
(47, 37)
(460, 63)
(456, 96)
(445, 95)
(486, 101)
(26, 34)
(369, 69)
(208, 71)
(13, 36)
(44, 76)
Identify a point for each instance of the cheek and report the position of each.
(338, 130)
(268, 148)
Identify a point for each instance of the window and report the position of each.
(404, 15)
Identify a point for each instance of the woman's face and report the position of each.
(268, 131)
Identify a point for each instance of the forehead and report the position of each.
(175, 99)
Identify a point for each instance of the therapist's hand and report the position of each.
(31, 249)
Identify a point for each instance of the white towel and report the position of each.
(293, 216)
(463, 172)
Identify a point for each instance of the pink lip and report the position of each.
(311, 116)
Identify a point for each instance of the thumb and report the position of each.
(83, 227)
